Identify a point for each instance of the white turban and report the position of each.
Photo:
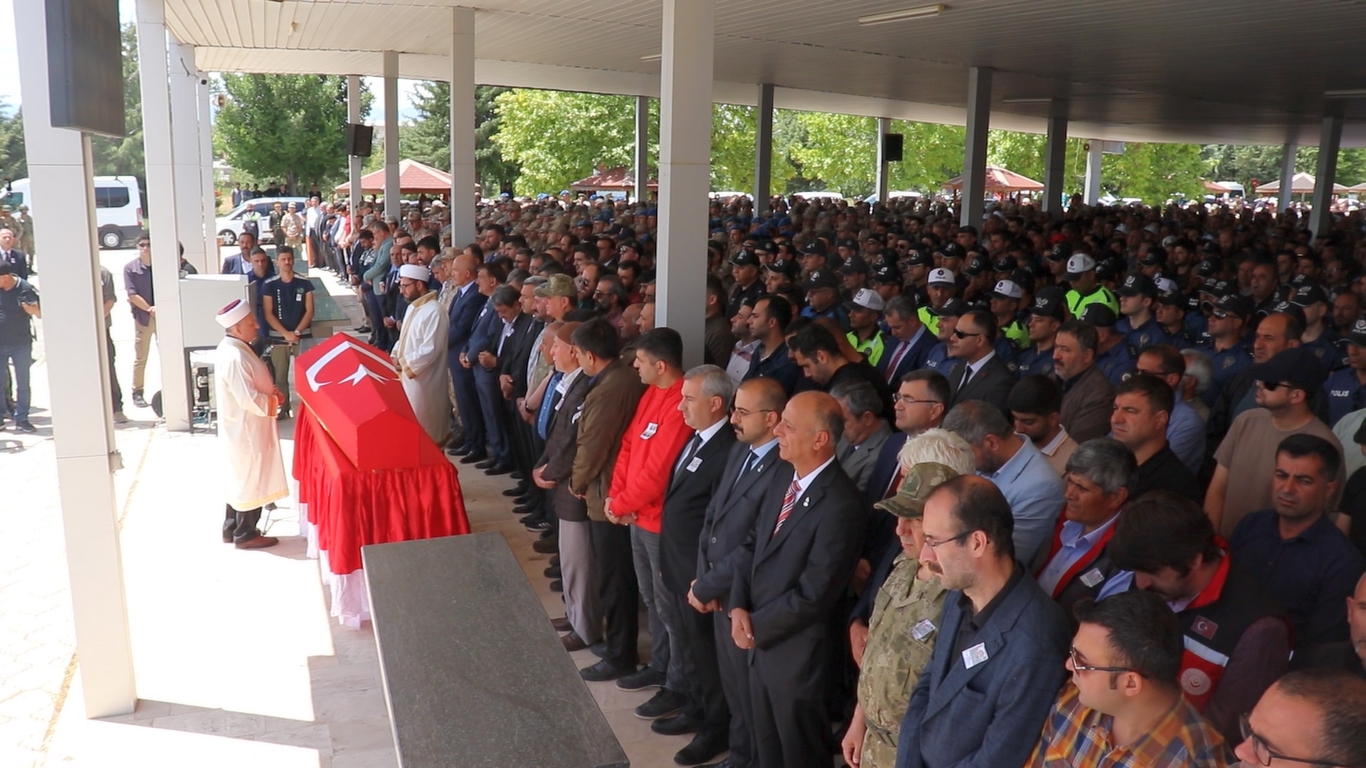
(234, 313)
(415, 272)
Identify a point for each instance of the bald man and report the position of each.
(792, 571)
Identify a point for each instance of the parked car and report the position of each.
(230, 226)
(118, 207)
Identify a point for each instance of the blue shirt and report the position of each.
(1345, 393)
(1074, 547)
(1143, 336)
(938, 359)
(1312, 574)
(777, 366)
(1226, 365)
(1325, 348)
(16, 330)
(1186, 436)
(1031, 361)
(1034, 492)
(1117, 363)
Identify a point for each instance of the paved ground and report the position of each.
(236, 659)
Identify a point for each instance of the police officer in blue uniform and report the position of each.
(1046, 315)
(1137, 296)
(946, 319)
(1346, 387)
(1318, 337)
(1227, 350)
(1113, 356)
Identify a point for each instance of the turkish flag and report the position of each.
(355, 393)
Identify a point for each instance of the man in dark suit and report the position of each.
(511, 339)
(729, 520)
(1001, 641)
(515, 361)
(796, 566)
(911, 340)
(696, 476)
(979, 373)
(464, 311)
(480, 356)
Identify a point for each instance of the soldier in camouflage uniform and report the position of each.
(24, 220)
(902, 632)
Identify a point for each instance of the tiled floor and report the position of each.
(237, 662)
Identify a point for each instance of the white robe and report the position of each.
(247, 429)
(421, 356)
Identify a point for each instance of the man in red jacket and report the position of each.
(636, 497)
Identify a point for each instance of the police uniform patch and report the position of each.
(1195, 682)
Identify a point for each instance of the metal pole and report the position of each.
(975, 146)
(763, 150)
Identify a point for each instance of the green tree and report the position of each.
(841, 151)
(125, 157)
(13, 160)
(1155, 172)
(428, 138)
(286, 127)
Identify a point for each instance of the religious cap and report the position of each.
(415, 272)
(233, 313)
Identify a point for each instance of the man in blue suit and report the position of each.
(464, 311)
(911, 341)
(1000, 643)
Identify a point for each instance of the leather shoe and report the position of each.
(555, 560)
(260, 542)
(487, 463)
(557, 586)
(473, 457)
(554, 572)
(606, 670)
(572, 642)
(676, 725)
(704, 746)
(547, 533)
(727, 763)
(516, 474)
(648, 677)
(546, 546)
(539, 524)
(463, 450)
(520, 490)
(501, 468)
(522, 509)
(664, 704)
(562, 624)
(599, 649)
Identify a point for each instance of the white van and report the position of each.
(230, 226)
(118, 207)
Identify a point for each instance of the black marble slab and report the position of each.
(474, 675)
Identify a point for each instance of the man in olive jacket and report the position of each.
(614, 390)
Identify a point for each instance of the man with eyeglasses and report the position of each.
(1311, 717)
(137, 283)
(998, 663)
(1123, 706)
(1247, 456)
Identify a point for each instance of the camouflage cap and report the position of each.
(557, 285)
(920, 480)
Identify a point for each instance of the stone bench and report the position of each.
(474, 675)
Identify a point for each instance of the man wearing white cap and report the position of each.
(247, 404)
(420, 354)
(1086, 289)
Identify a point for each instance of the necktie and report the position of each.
(895, 486)
(789, 501)
(967, 375)
(547, 405)
(749, 462)
(694, 445)
(896, 359)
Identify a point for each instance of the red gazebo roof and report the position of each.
(999, 179)
(620, 177)
(413, 178)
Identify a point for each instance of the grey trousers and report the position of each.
(666, 654)
(576, 569)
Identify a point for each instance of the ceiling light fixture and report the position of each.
(1347, 93)
(652, 57)
(908, 13)
(1028, 100)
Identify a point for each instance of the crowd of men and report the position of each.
(1102, 456)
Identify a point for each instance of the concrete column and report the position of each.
(354, 162)
(763, 150)
(975, 146)
(884, 127)
(641, 166)
(1095, 158)
(685, 169)
(462, 127)
(161, 211)
(187, 163)
(60, 167)
(206, 174)
(1283, 198)
(1330, 139)
(391, 181)
(1055, 161)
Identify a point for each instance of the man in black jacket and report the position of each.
(795, 567)
(729, 520)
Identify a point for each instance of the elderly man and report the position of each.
(420, 354)
(247, 404)
(1088, 396)
(865, 431)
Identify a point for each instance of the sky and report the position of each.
(9, 68)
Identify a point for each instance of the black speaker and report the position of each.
(891, 147)
(359, 139)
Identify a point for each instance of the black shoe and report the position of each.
(557, 586)
(562, 625)
(500, 468)
(727, 763)
(488, 462)
(516, 474)
(676, 725)
(546, 546)
(555, 559)
(554, 572)
(137, 399)
(534, 517)
(538, 525)
(549, 533)
(364, 329)
(599, 649)
(664, 704)
(463, 450)
(703, 747)
(282, 415)
(525, 509)
(648, 677)
(606, 670)
(474, 457)
(24, 426)
(520, 490)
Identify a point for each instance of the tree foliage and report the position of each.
(13, 160)
(428, 138)
(841, 151)
(1155, 172)
(290, 128)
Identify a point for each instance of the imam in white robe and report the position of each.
(246, 427)
(421, 357)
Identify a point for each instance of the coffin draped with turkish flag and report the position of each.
(367, 472)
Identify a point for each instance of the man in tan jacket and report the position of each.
(614, 391)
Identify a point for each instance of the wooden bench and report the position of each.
(474, 675)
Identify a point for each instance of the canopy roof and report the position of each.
(1300, 184)
(999, 179)
(413, 178)
(1114, 74)
(620, 177)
